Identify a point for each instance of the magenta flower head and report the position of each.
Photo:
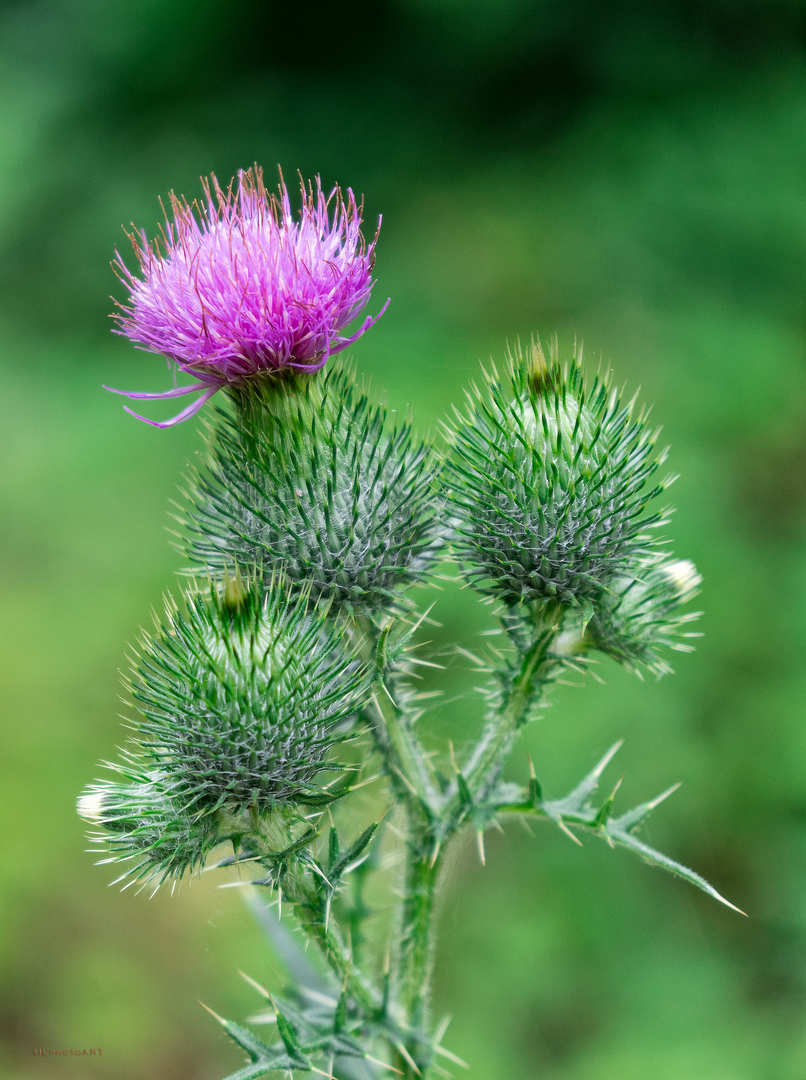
(235, 287)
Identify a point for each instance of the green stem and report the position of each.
(433, 820)
(484, 766)
(429, 837)
(417, 945)
(309, 909)
(407, 764)
(358, 911)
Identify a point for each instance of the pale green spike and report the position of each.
(256, 985)
(576, 798)
(649, 855)
(449, 1055)
(401, 1049)
(383, 1064)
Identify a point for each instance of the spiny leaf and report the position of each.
(634, 818)
(245, 1039)
(577, 798)
(535, 790)
(574, 810)
(603, 812)
(333, 846)
(655, 858)
(290, 1040)
(464, 790)
(340, 1015)
(262, 1068)
(353, 852)
(292, 849)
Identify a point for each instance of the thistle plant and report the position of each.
(281, 681)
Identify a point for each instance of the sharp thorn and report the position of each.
(568, 832)
(611, 753)
(664, 795)
(615, 789)
(223, 1022)
(407, 1056)
(451, 1057)
(453, 757)
(727, 903)
(383, 1064)
(260, 989)
(442, 1027)
(406, 781)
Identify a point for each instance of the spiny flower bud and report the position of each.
(243, 704)
(309, 478)
(640, 614)
(550, 482)
(144, 827)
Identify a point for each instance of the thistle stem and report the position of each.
(417, 944)
(309, 909)
(425, 855)
(410, 770)
(433, 820)
(489, 756)
(407, 764)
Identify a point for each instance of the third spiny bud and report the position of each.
(551, 482)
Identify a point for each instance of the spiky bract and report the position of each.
(640, 614)
(550, 482)
(310, 477)
(242, 702)
(145, 827)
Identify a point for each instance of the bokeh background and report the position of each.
(632, 174)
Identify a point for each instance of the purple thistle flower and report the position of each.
(236, 288)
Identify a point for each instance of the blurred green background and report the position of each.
(632, 174)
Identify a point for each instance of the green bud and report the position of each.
(550, 483)
(145, 828)
(241, 707)
(640, 614)
(308, 477)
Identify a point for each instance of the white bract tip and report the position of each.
(90, 806)
(684, 576)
